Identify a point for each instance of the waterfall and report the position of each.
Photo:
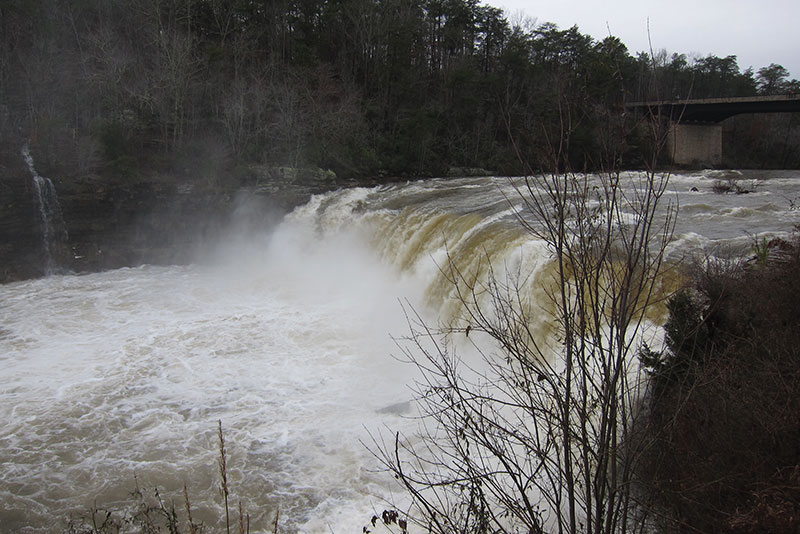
(52, 227)
(287, 336)
(431, 236)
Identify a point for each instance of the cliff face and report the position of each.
(20, 237)
(128, 225)
(111, 225)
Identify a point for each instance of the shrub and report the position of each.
(732, 185)
(724, 410)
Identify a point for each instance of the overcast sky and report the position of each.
(757, 32)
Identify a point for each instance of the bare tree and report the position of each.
(538, 436)
(244, 112)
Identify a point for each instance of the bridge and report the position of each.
(695, 134)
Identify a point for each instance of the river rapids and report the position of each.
(117, 380)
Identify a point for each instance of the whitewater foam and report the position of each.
(284, 335)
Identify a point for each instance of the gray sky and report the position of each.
(758, 32)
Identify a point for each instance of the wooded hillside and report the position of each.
(361, 87)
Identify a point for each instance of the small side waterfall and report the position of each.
(53, 229)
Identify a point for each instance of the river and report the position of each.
(117, 379)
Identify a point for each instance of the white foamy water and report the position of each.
(125, 373)
(117, 378)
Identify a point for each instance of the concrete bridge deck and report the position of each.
(712, 110)
(695, 134)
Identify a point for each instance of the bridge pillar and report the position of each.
(695, 144)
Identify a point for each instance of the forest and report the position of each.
(204, 90)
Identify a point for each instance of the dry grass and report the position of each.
(149, 513)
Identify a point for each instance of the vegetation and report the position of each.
(733, 184)
(538, 434)
(726, 398)
(148, 513)
(203, 89)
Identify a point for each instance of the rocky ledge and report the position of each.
(161, 220)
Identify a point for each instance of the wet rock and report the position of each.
(112, 225)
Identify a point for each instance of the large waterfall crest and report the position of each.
(445, 246)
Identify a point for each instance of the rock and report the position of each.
(128, 224)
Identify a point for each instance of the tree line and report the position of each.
(361, 87)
